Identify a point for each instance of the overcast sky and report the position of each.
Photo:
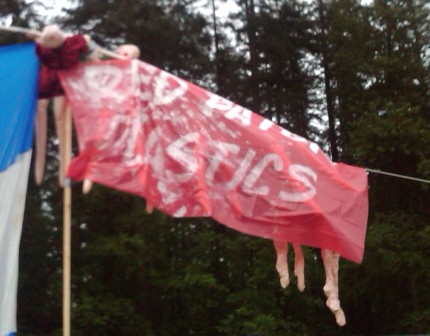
(54, 7)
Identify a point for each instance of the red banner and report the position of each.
(192, 153)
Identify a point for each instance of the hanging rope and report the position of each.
(397, 175)
(14, 29)
(108, 53)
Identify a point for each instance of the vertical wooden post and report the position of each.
(67, 221)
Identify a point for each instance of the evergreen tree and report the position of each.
(384, 123)
(277, 39)
(169, 34)
(18, 13)
(148, 274)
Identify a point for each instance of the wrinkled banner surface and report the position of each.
(192, 153)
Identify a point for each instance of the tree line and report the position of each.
(352, 77)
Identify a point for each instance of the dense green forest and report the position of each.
(352, 77)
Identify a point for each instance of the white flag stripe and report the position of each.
(13, 187)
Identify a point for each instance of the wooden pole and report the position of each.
(67, 221)
(66, 133)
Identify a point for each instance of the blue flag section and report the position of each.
(18, 97)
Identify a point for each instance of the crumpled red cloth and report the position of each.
(65, 57)
(191, 153)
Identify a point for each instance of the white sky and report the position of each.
(54, 7)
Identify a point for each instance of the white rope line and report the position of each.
(114, 55)
(15, 29)
(397, 175)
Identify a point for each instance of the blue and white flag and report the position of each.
(18, 97)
